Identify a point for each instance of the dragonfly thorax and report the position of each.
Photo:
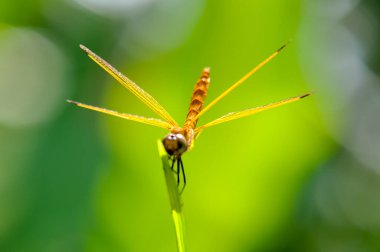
(175, 144)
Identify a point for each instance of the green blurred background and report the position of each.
(304, 177)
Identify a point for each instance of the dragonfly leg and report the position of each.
(183, 174)
(178, 170)
(173, 159)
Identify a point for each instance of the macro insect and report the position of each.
(181, 139)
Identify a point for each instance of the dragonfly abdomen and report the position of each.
(197, 99)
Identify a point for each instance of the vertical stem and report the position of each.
(174, 198)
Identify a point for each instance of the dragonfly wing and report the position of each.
(136, 118)
(236, 115)
(131, 86)
(239, 82)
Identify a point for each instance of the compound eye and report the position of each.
(181, 143)
(175, 144)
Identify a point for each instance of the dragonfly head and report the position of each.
(175, 144)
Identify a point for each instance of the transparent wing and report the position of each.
(239, 82)
(131, 86)
(136, 118)
(236, 115)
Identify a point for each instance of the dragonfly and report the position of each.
(181, 139)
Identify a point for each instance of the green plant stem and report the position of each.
(174, 198)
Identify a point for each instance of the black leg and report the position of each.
(183, 172)
(178, 170)
(173, 161)
(183, 176)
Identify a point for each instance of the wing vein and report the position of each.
(247, 112)
(136, 118)
(239, 82)
(131, 86)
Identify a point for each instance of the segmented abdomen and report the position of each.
(197, 99)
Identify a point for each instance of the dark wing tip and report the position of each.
(305, 95)
(282, 47)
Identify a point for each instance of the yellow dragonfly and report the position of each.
(181, 139)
